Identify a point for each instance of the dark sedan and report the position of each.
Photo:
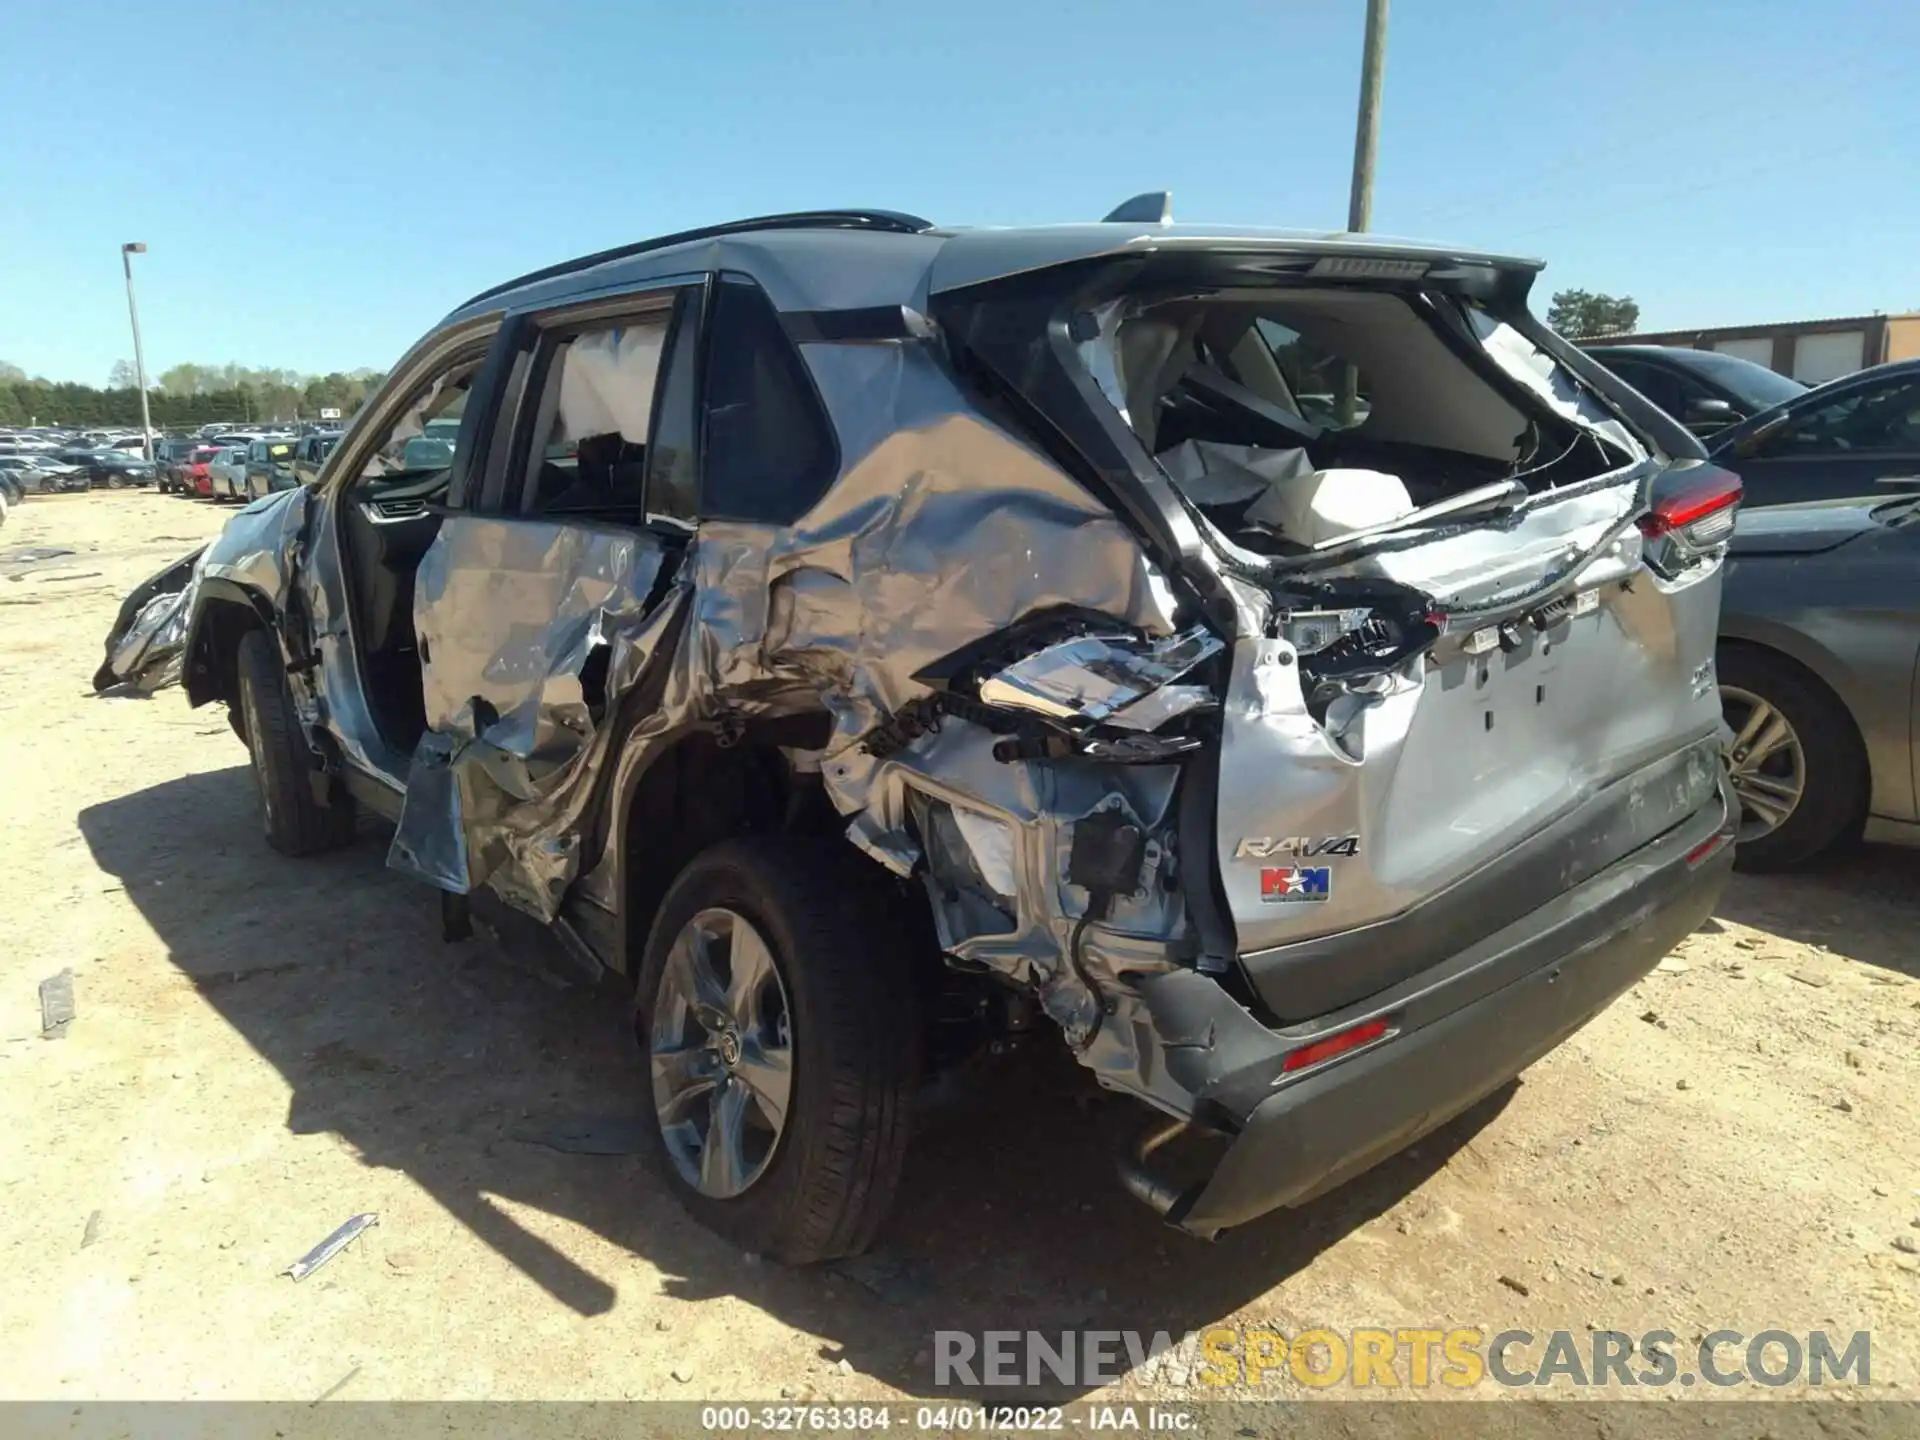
(109, 469)
(1819, 661)
(1855, 436)
(1702, 389)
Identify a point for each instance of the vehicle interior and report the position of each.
(1263, 405)
(388, 518)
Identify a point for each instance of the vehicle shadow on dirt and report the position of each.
(1862, 904)
(440, 1060)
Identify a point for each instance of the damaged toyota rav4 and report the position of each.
(1273, 661)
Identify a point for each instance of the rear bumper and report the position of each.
(1460, 1030)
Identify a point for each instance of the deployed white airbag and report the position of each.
(1331, 504)
(1290, 497)
(607, 381)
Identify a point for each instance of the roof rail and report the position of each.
(887, 221)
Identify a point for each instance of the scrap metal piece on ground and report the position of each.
(335, 1388)
(56, 1005)
(331, 1246)
(92, 1232)
(589, 1135)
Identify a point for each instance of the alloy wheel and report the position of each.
(1765, 761)
(721, 1041)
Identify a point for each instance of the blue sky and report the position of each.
(319, 185)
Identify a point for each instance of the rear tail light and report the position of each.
(1339, 1043)
(1707, 849)
(1697, 508)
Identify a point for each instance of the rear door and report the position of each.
(541, 599)
(1847, 441)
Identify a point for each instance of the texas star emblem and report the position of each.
(1295, 884)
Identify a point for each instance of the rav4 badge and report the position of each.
(1261, 847)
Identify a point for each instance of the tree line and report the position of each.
(1589, 314)
(186, 395)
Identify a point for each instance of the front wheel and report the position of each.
(1795, 762)
(776, 1012)
(295, 821)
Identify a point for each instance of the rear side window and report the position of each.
(769, 451)
(590, 433)
(1870, 418)
(1662, 387)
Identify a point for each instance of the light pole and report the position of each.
(1366, 135)
(127, 252)
(1366, 140)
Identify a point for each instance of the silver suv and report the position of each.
(1274, 662)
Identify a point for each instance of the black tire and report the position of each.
(842, 952)
(296, 823)
(1833, 802)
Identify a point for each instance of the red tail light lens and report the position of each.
(1698, 507)
(1321, 1051)
(1707, 849)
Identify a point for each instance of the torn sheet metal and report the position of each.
(1552, 382)
(351, 1231)
(1091, 677)
(1484, 565)
(144, 646)
(56, 1005)
(906, 559)
(500, 779)
(255, 551)
(148, 652)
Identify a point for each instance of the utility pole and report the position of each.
(1366, 142)
(127, 252)
(1366, 136)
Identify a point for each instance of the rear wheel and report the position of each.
(1796, 761)
(776, 1011)
(295, 821)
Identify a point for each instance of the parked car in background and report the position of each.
(43, 474)
(269, 467)
(1310, 780)
(193, 471)
(1702, 389)
(310, 453)
(171, 456)
(1858, 436)
(227, 473)
(109, 469)
(1818, 659)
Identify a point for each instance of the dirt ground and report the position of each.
(265, 1047)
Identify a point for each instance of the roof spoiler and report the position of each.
(1152, 207)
